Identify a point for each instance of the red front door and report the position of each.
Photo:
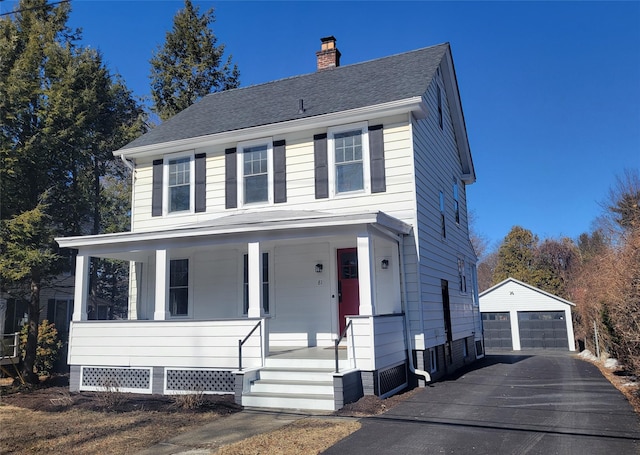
(348, 292)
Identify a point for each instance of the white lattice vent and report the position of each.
(116, 379)
(213, 381)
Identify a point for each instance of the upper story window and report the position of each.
(179, 184)
(456, 203)
(255, 172)
(440, 119)
(349, 160)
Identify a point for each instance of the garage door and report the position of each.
(543, 329)
(497, 331)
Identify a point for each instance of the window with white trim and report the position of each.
(179, 287)
(255, 172)
(456, 203)
(462, 275)
(443, 228)
(178, 188)
(349, 159)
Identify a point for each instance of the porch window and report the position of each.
(179, 287)
(265, 283)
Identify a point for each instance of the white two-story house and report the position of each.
(298, 243)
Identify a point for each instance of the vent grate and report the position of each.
(116, 378)
(200, 380)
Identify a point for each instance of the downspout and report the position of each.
(407, 329)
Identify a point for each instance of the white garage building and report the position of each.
(518, 316)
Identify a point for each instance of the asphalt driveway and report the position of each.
(552, 403)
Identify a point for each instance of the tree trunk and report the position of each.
(32, 332)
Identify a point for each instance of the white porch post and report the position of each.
(81, 288)
(162, 285)
(365, 275)
(255, 280)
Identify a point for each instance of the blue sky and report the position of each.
(550, 90)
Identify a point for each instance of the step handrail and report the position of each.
(241, 342)
(342, 335)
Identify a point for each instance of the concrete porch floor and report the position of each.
(319, 353)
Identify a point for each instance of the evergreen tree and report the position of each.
(516, 257)
(190, 64)
(61, 114)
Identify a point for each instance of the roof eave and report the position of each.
(393, 225)
(415, 105)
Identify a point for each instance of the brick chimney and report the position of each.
(328, 55)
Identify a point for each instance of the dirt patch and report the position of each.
(371, 405)
(306, 436)
(50, 419)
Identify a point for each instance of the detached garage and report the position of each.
(518, 316)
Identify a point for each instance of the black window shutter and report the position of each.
(376, 150)
(321, 166)
(231, 179)
(201, 182)
(156, 191)
(51, 310)
(279, 172)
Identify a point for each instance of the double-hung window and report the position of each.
(256, 173)
(264, 279)
(349, 159)
(179, 287)
(456, 202)
(179, 189)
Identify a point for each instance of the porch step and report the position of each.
(292, 387)
(315, 363)
(296, 374)
(289, 401)
(296, 378)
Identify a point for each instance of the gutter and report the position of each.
(407, 329)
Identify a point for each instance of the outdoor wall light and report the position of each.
(384, 264)
(318, 268)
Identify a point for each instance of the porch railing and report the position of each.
(241, 342)
(342, 335)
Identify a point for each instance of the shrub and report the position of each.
(48, 347)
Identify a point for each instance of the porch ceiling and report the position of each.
(230, 225)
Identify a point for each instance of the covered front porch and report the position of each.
(209, 305)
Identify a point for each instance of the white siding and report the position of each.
(437, 164)
(210, 344)
(376, 342)
(514, 296)
(397, 201)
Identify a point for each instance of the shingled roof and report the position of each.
(383, 80)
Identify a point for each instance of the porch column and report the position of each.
(81, 289)
(365, 275)
(162, 285)
(255, 280)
